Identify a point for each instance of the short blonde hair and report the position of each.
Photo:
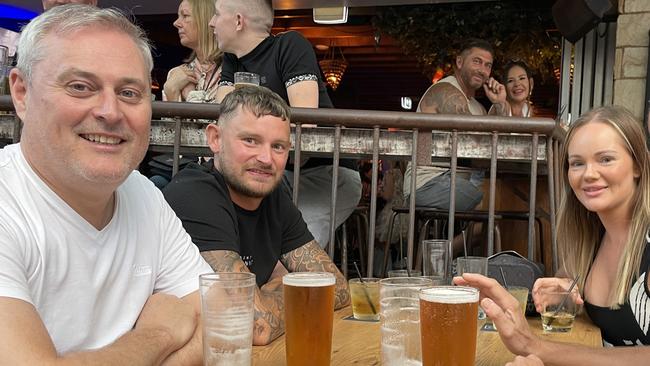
(258, 12)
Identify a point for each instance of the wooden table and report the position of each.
(358, 343)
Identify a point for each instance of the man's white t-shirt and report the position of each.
(89, 286)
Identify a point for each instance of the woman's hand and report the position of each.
(504, 311)
(553, 284)
(530, 360)
(180, 80)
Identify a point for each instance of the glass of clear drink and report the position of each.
(308, 317)
(436, 260)
(365, 298)
(558, 311)
(227, 311)
(400, 320)
(246, 78)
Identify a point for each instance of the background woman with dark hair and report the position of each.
(519, 87)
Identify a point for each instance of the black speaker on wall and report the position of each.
(574, 18)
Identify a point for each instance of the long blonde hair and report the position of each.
(581, 231)
(202, 11)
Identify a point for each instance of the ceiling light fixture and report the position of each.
(333, 68)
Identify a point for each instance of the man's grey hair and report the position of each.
(257, 100)
(64, 19)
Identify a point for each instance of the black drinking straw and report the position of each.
(464, 245)
(503, 277)
(365, 290)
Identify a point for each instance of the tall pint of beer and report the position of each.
(308, 316)
(448, 325)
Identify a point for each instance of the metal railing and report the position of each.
(343, 132)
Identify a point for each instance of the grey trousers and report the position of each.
(435, 193)
(315, 196)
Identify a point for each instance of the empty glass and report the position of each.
(436, 260)
(400, 320)
(227, 311)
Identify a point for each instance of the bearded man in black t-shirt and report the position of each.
(286, 64)
(236, 212)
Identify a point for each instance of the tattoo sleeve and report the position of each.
(311, 258)
(268, 300)
(444, 98)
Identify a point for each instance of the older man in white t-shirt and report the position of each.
(95, 268)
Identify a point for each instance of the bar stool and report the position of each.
(354, 230)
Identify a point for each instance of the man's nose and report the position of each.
(264, 154)
(108, 108)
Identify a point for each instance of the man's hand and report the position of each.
(505, 312)
(495, 91)
(170, 314)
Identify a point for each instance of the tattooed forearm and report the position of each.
(311, 258)
(268, 301)
(224, 261)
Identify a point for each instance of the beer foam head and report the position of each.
(309, 279)
(450, 294)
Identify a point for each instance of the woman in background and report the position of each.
(195, 80)
(519, 87)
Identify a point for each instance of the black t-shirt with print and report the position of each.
(280, 60)
(199, 196)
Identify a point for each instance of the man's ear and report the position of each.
(213, 137)
(240, 21)
(18, 86)
(459, 62)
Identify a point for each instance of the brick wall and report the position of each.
(632, 55)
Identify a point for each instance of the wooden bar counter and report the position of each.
(359, 343)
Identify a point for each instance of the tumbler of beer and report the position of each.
(400, 320)
(448, 325)
(308, 317)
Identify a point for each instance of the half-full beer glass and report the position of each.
(227, 311)
(448, 325)
(308, 317)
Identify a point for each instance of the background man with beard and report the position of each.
(455, 95)
(236, 213)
